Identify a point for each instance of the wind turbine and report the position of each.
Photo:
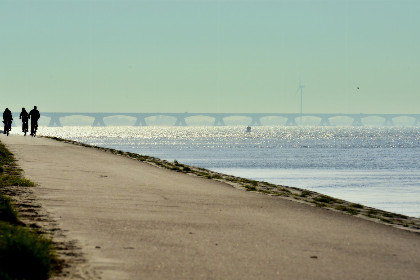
(300, 88)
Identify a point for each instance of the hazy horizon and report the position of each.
(210, 56)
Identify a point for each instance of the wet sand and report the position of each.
(130, 220)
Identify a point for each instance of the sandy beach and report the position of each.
(118, 218)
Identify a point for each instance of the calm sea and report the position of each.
(374, 166)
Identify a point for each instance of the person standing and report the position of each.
(34, 116)
(24, 116)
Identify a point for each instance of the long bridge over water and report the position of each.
(219, 118)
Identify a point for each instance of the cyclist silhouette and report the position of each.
(34, 116)
(24, 116)
(7, 120)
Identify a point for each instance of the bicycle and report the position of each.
(34, 128)
(7, 127)
(24, 128)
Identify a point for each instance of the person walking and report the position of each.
(7, 120)
(34, 116)
(24, 116)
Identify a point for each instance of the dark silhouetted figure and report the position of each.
(34, 116)
(7, 120)
(24, 116)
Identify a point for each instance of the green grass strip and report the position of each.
(13, 180)
(24, 254)
(7, 212)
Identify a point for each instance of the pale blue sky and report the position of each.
(210, 56)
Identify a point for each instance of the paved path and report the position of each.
(136, 221)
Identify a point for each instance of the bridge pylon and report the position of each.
(180, 121)
(55, 121)
(256, 121)
(140, 121)
(357, 121)
(325, 121)
(99, 121)
(389, 121)
(218, 121)
(291, 121)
